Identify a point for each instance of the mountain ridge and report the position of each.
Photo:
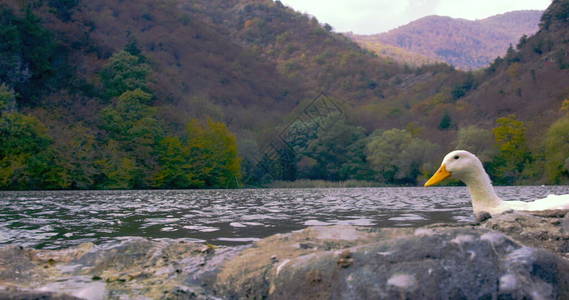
(459, 41)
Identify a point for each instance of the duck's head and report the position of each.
(459, 164)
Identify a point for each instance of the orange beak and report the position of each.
(439, 176)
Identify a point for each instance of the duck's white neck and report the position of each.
(481, 191)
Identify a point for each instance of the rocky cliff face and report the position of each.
(514, 256)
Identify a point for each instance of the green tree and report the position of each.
(125, 72)
(514, 154)
(129, 112)
(205, 158)
(132, 48)
(63, 9)
(398, 157)
(81, 151)
(118, 169)
(557, 151)
(446, 122)
(133, 131)
(337, 152)
(27, 52)
(565, 106)
(7, 99)
(175, 167)
(27, 158)
(131, 123)
(461, 89)
(213, 153)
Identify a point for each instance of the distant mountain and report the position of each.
(464, 44)
(398, 54)
(530, 80)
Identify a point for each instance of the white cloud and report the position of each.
(374, 16)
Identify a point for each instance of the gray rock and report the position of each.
(15, 264)
(427, 264)
(134, 268)
(512, 256)
(14, 294)
(547, 229)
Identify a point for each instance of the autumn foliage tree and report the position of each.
(205, 157)
(214, 151)
(514, 154)
(27, 158)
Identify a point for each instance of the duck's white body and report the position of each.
(551, 202)
(466, 167)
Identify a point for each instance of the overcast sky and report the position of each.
(375, 16)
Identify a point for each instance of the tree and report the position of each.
(446, 122)
(206, 157)
(81, 150)
(63, 9)
(27, 158)
(132, 125)
(175, 167)
(7, 99)
(125, 72)
(337, 152)
(27, 52)
(557, 151)
(461, 89)
(398, 157)
(133, 49)
(213, 154)
(513, 153)
(118, 169)
(130, 122)
(565, 106)
(128, 109)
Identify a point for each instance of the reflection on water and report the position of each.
(53, 220)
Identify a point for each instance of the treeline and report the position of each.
(335, 150)
(141, 94)
(125, 145)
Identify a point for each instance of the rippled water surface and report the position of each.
(52, 220)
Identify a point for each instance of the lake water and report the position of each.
(54, 220)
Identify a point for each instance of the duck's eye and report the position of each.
(457, 157)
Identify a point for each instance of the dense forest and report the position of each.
(465, 44)
(230, 93)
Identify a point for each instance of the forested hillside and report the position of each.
(398, 54)
(462, 43)
(220, 94)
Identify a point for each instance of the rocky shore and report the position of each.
(513, 256)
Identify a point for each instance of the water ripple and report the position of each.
(54, 220)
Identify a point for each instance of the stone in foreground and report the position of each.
(475, 261)
(426, 264)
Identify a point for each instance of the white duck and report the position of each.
(466, 167)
